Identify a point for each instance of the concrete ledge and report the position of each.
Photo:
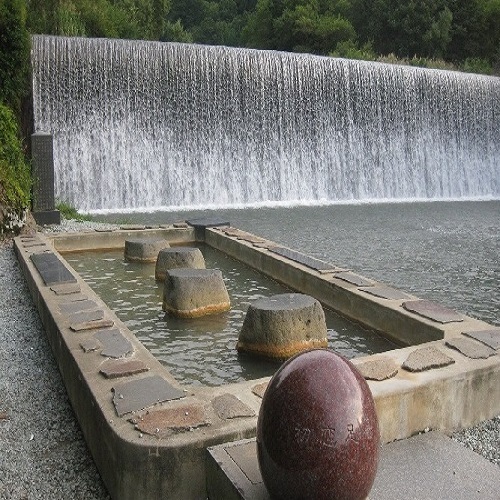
(137, 462)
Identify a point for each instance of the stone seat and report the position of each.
(283, 325)
(144, 250)
(179, 257)
(191, 293)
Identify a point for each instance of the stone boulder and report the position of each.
(144, 250)
(178, 257)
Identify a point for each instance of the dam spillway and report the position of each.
(149, 125)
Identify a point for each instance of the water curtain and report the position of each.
(141, 124)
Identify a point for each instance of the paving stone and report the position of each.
(386, 292)
(122, 368)
(90, 345)
(426, 358)
(68, 289)
(491, 338)
(242, 235)
(260, 389)
(229, 406)
(470, 348)
(86, 316)
(180, 225)
(378, 369)
(92, 325)
(245, 456)
(160, 423)
(114, 343)
(352, 278)
(34, 244)
(77, 306)
(433, 311)
(132, 227)
(303, 259)
(51, 269)
(140, 394)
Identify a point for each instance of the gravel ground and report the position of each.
(42, 451)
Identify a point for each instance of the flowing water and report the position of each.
(148, 125)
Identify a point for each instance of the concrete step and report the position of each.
(424, 467)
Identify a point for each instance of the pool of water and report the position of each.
(448, 252)
(202, 350)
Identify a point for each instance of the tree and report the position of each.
(14, 54)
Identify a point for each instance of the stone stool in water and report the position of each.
(317, 432)
(144, 250)
(191, 293)
(283, 325)
(174, 258)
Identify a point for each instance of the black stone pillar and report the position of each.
(42, 156)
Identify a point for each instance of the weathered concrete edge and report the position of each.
(133, 467)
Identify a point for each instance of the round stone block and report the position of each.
(191, 293)
(317, 432)
(283, 325)
(144, 250)
(174, 258)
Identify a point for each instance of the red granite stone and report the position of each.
(317, 432)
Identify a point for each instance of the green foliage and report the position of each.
(15, 175)
(69, 212)
(476, 65)
(14, 54)
(351, 50)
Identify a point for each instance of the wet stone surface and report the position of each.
(228, 406)
(140, 394)
(491, 338)
(470, 348)
(92, 325)
(378, 369)
(114, 344)
(161, 423)
(64, 289)
(122, 368)
(433, 311)
(86, 316)
(77, 306)
(426, 358)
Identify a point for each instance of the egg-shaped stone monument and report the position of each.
(317, 431)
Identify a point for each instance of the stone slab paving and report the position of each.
(51, 269)
(122, 368)
(432, 310)
(86, 316)
(260, 389)
(303, 259)
(114, 344)
(92, 325)
(386, 292)
(426, 358)
(491, 338)
(353, 278)
(228, 406)
(470, 348)
(77, 306)
(378, 369)
(66, 289)
(423, 467)
(142, 393)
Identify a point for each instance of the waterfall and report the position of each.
(149, 125)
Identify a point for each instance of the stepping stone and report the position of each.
(178, 257)
(92, 325)
(122, 368)
(77, 306)
(260, 389)
(144, 250)
(386, 292)
(432, 310)
(114, 344)
(491, 338)
(470, 348)
(140, 394)
(228, 406)
(51, 269)
(352, 278)
(66, 289)
(377, 369)
(283, 325)
(161, 423)
(192, 293)
(303, 259)
(86, 316)
(426, 358)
